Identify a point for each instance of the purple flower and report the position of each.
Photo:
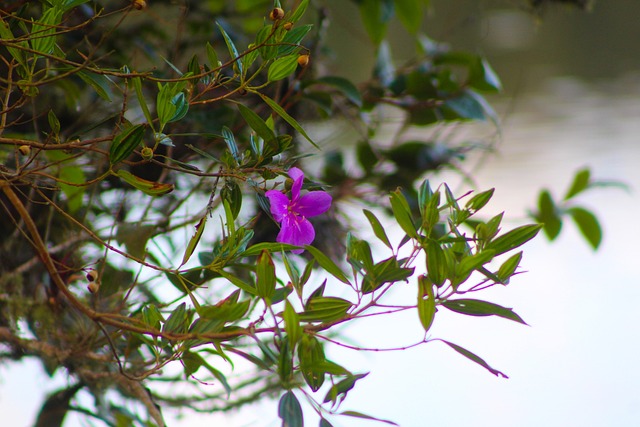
(292, 215)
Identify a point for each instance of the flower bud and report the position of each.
(93, 287)
(139, 4)
(288, 26)
(147, 153)
(92, 275)
(276, 14)
(25, 150)
(303, 60)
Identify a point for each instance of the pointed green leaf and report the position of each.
(282, 113)
(474, 307)
(402, 213)
(150, 188)
(410, 14)
(348, 89)
(366, 417)
(426, 302)
(177, 321)
(377, 227)
(469, 355)
(326, 263)
(292, 323)
(193, 242)
(325, 309)
(258, 125)
(282, 67)
(125, 142)
(233, 51)
(508, 268)
(580, 183)
(265, 275)
(514, 238)
(98, 82)
(588, 225)
(290, 411)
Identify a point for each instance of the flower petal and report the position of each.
(298, 177)
(297, 231)
(313, 203)
(279, 204)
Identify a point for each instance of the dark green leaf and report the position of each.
(233, 51)
(478, 201)
(98, 82)
(437, 270)
(346, 87)
(290, 411)
(292, 324)
(410, 14)
(193, 242)
(474, 307)
(548, 215)
(258, 125)
(150, 188)
(311, 354)
(177, 321)
(291, 41)
(375, 16)
(508, 268)
(588, 225)
(325, 309)
(341, 389)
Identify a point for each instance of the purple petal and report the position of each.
(298, 177)
(297, 231)
(279, 204)
(313, 203)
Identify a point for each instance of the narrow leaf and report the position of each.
(193, 242)
(326, 263)
(366, 417)
(514, 238)
(474, 358)
(378, 229)
(474, 307)
(282, 113)
(232, 48)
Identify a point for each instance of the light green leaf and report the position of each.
(326, 263)
(402, 213)
(474, 307)
(514, 238)
(282, 67)
(580, 183)
(233, 51)
(378, 229)
(426, 302)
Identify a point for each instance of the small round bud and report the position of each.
(93, 287)
(276, 14)
(92, 275)
(25, 150)
(147, 153)
(303, 60)
(139, 4)
(288, 26)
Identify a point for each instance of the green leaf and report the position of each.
(290, 411)
(43, 31)
(326, 263)
(474, 307)
(125, 142)
(482, 77)
(292, 323)
(410, 14)
(366, 417)
(258, 125)
(479, 201)
(193, 242)
(437, 269)
(346, 87)
(137, 85)
(508, 268)
(580, 183)
(98, 82)
(177, 321)
(311, 354)
(54, 123)
(378, 229)
(514, 238)
(341, 389)
(548, 215)
(375, 16)
(282, 113)
(291, 41)
(426, 302)
(233, 51)
(266, 275)
(212, 56)
(468, 264)
(6, 34)
(298, 12)
(402, 213)
(469, 355)
(325, 309)
(282, 67)
(588, 225)
(236, 281)
(150, 188)
(227, 134)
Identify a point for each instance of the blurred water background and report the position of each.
(572, 99)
